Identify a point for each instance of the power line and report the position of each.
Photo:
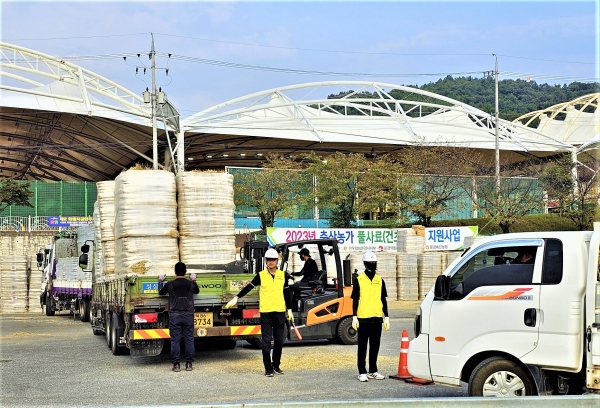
(316, 49)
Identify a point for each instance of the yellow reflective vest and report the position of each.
(271, 291)
(369, 303)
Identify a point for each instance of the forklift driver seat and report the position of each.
(318, 285)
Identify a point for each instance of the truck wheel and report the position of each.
(114, 335)
(107, 329)
(345, 333)
(84, 310)
(50, 306)
(499, 377)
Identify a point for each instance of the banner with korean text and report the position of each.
(448, 238)
(349, 239)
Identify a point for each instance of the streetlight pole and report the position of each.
(497, 129)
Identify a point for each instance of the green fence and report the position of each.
(57, 198)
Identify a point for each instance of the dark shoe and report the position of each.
(277, 370)
(188, 367)
(269, 374)
(175, 367)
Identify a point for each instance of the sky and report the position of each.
(394, 42)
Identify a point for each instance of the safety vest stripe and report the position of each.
(151, 334)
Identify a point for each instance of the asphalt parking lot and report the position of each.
(57, 361)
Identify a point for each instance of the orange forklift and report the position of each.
(324, 309)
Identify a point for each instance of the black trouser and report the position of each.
(182, 325)
(272, 326)
(368, 331)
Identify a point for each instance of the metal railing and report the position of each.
(25, 224)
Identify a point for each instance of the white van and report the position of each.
(514, 328)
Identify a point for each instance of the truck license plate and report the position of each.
(203, 319)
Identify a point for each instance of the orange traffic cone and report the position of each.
(403, 373)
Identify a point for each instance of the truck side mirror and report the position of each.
(441, 289)
(83, 261)
(40, 259)
(85, 248)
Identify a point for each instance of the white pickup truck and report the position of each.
(514, 328)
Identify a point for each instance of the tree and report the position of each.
(519, 193)
(578, 197)
(336, 186)
(270, 190)
(430, 180)
(13, 192)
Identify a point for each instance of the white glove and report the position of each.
(231, 303)
(291, 282)
(355, 322)
(161, 278)
(290, 315)
(386, 323)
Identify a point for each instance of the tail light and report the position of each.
(145, 318)
(250, 314)
(418, 323)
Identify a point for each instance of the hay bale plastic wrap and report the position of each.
(205, 209)
(407, 277)
(13, 283)
(429, 267)
(145, 223)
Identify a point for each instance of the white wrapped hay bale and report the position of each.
(105, 221)
(146, 255)
(386, 268)
(407, 283)
(34, 291)
(106, 209)
(205, 209)
(148, 195)
(409, 241)
(145, 223)
(429, 267)
(13, 284)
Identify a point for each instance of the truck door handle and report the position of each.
(530, 317)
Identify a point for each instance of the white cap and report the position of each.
(271, 254)
(369, 257)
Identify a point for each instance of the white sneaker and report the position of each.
(376, 376)
(363, 378)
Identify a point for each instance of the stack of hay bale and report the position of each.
(106, 232)
(145, 222)
(429, 267)
(13, 283)
(205, 215)
(386, 268)
(407, 282)
(34, 286)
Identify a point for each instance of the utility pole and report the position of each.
(169, 115)
(153, 102)
(497, 130)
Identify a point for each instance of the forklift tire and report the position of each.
(345, 333)
(50, 305)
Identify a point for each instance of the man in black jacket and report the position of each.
(310, 271)
(181, 314)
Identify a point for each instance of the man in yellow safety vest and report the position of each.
(274, 301)
(369, 311)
